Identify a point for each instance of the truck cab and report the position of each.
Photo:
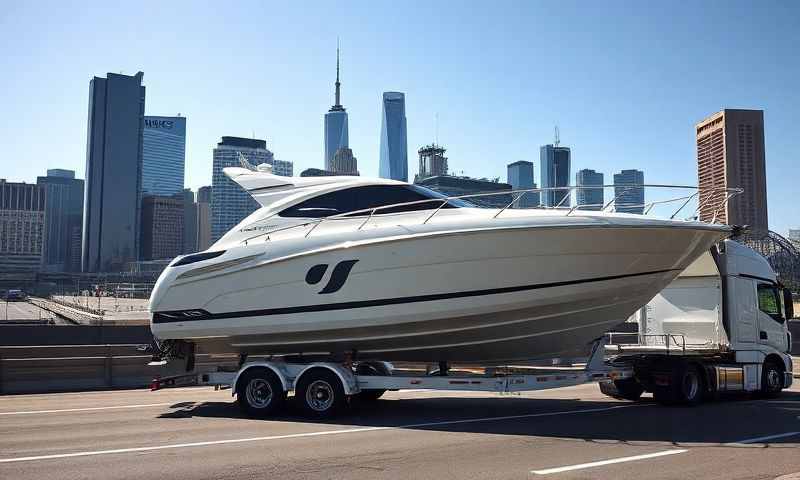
(723, 322)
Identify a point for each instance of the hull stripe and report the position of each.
(199, 315)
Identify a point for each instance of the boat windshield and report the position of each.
(455, 202)
(364, 197)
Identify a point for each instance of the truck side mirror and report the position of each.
(787, 302)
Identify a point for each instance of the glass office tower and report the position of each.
(394, 144)
(629, 199)
(520, 177)
(163, 155)
(555, 164)
(589, 198)
(336, 134)
(112, 196)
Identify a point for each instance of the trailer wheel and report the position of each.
(320, 393)
(771, 379)
(259, 392)
(623, 389)
(371, 369)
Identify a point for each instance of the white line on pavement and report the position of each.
(748, 441)
(611, 461)
(86, 409)
(308, 434)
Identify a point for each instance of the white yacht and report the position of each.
(381, 269)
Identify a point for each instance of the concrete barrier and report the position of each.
(52, 368)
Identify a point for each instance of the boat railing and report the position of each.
(717, 198)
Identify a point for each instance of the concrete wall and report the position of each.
(55, 368)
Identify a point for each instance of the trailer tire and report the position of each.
(320, 393)
(624, 389)
(771, 379)
(259, 393)
(371, 369)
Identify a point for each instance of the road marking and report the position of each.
(87, 409)
(308, 434)
(601, 463)
(748, 441)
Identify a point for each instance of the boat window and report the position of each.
(369, 196)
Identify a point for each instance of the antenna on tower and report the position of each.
(557, 140)
(436, 137)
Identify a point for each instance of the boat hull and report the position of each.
(488, 296)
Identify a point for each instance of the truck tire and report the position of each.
(624, 389)
(771, 379)
(259, 393)
(686, 387)
(320, 393)
(371, 369)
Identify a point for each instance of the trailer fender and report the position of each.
(285, 383)
(345, 375)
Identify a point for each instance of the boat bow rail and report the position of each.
(716, 198)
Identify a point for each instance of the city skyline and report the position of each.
(477, 121)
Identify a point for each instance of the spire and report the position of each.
(338, 99)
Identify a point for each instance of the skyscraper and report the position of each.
(520, 177)
(730, 154)
(432, 161)
(189, 221)
(163, 155)
(22, 217)
(162, 227)
(394, 144)
(63, 220)
(230, 204)
(555, 165)
(336, 135)
(629, 199)
(203, 218)
(589, 198)
(113, 172)
(344, 163)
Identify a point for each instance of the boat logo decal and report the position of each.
(338, 277)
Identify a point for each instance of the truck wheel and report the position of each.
(259, 393)
(624, 389)
(374, 370)
(771, 379)
(686, 387)
(690, 390)
(320, 393)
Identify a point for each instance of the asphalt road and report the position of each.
(198, 433)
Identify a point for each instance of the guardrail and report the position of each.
(716, 199)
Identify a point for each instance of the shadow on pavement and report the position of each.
(727, 421)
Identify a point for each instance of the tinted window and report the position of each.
(365, 197)
(768, 300)
(333, 203)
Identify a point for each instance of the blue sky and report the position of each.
(625, 81)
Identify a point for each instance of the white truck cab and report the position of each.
(723, 323)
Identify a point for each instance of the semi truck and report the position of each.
(721, 326)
